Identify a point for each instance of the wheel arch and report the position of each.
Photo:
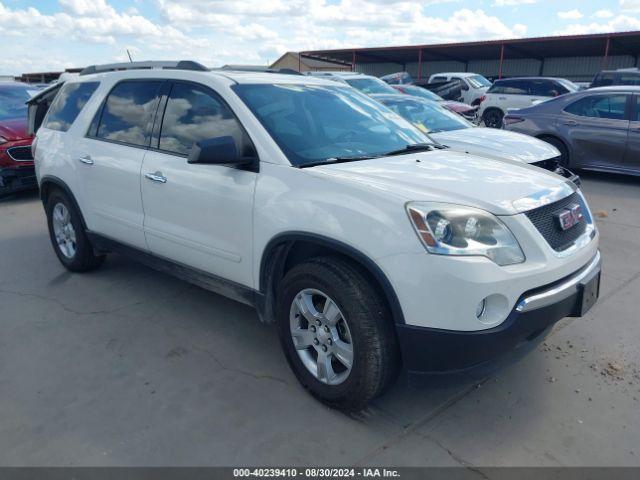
(288, 249)
(554, 136)
(49, 183)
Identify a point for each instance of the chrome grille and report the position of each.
(544, 220)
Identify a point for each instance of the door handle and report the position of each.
(570, 122)
(156, 177)
(86, 159)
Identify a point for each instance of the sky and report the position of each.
(50, 35)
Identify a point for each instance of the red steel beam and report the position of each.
(419, 63)
(605, 60)
(501, 60)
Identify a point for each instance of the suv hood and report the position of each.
(497, 186)
(14, 129)
(497, 144)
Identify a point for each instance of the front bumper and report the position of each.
(16, 179)
(432, 350)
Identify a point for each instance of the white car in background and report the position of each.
(474, 85)
(365, 83)
(514, 93)
(463, 136)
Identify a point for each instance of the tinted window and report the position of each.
(546, 88)
(603, 80)
(478, 81)
(438, 79)
(370, 85)
(600, 106)
(420, 92)
(428, 116)
(313, 123)
(128, 111)
(510, 87)
(193, 114)
(68, 103)
(629, 79)
(637, 116)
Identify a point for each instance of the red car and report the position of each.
(17, 171)
(467, 111)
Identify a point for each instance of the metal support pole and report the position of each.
(299, 62)
(541, 70)
(419, 63)
(353, 60)
(605, 60)
(501, 60)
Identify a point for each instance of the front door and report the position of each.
(632, 154)
(596, 127)
(194, 214)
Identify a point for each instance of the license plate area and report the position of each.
(588, 293)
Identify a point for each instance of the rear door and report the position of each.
(195, 214)
(596, 127)
(109, 160)
(632, 153)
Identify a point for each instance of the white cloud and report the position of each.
(570, 14)
(630, 5)
(513, 3)
(620, 23)
(604, 13)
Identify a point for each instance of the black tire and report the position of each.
(492, 118)
(562, 148)
(84, 259)
(375, 358)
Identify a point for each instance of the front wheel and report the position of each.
(336, 333)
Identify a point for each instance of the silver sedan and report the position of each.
(596, 129)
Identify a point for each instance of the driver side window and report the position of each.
(600, 106)
(193, 114)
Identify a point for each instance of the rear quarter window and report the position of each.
(68, 104)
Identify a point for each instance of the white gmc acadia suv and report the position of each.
(369, 245)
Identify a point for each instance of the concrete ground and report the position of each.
(127, 366)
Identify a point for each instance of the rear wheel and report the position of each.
(336, 333)
(562, 148)
(67, 235)
(493, 118)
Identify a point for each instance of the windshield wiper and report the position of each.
(333, 160)
(416, 147)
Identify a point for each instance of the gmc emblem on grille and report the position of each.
(569, 216)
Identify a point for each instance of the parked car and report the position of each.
(622, 76)
(595, 129)
(473, 85)
(453, 131)
(16, 163)
(467, 111)
(365, 83)
(514, 93)
(369, 245)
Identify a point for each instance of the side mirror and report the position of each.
(218, 151)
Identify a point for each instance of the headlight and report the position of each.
(3, 140)
(447, 229)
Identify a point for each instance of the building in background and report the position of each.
(303, 63)
(575, 57)
(44, 77)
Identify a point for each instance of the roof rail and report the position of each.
(113, 67)
(240, 68)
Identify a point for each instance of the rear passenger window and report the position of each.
(68, 103)
(128, 112)
(194, 114)
(599, 106)
(629, 79)
(546, 88)
(510, 87)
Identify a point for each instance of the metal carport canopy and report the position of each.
(603, 44)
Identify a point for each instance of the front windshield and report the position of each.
(312, 123)
(422, 93)
(427, 116)
(569, 85)
(13, 102)
(478, 81)
(370, 85)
